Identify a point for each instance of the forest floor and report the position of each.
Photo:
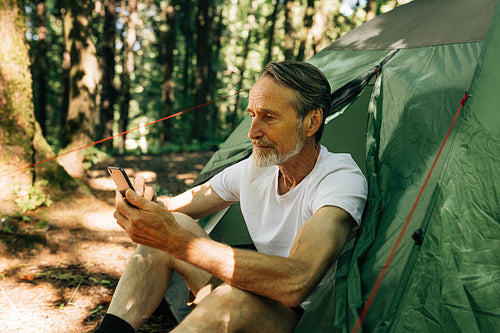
(59, 265)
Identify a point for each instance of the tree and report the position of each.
(186, 28)
(203, 85)
(168, 70)
(109, 92)
(270, 34)
(21, 140)
(289, 33)
(246, 48)
(304, 33)
(40, 67)
(127, 71)
(83, 80)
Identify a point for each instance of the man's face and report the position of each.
(276, 132)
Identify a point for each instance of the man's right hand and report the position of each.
(147, 192)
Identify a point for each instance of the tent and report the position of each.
(399, 82)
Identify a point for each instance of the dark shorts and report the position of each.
(213, 283)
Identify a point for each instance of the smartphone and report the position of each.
(121, 179)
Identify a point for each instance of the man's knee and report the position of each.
(232, 309)
(150, 256)
(189, 223)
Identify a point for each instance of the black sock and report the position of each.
(113, 324)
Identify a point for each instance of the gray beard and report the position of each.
(262, 160)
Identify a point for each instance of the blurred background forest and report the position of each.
(76, 72)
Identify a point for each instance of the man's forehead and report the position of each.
(267, 93)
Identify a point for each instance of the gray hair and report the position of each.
(310, 84)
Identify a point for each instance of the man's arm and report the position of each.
(287, 280)
(197, 202)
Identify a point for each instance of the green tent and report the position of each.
(398, 82)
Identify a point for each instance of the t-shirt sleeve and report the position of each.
(227, 183)
(346, 188)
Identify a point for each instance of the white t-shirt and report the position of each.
(272, 219)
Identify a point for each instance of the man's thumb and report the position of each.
(135, 199)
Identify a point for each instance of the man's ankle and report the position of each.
(113, 324)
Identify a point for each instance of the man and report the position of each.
(300, 204)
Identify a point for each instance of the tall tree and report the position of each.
(83, 80)
(289, 33)
(39, 66)
(246, 49)
(21, 139)
(168, 70)
(304, 33)
(186, 27)
(109, 92)
(204, 55)
(128, 69)
(270, 34)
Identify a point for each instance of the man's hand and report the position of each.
(146, 192)
(146, 222)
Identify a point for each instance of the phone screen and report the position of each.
(121, 179)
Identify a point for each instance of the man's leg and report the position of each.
(147, 276)
(229, 309)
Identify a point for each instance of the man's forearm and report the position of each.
(285, 280)
(197, 202)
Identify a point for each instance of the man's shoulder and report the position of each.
(335, 161)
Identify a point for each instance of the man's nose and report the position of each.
(255, 131)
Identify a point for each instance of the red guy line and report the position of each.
(117, 135)
(381, 276)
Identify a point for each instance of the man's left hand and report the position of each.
(146, 222)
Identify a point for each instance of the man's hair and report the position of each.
(310, 84)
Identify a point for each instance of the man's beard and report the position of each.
(262, 158)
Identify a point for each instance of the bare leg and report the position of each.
(147, 276)
(229, 309)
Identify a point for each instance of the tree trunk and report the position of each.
(203, 86)
(304, 33)
(66, 66)
(246, 48)
(108, 93)
(186, 26)
(289, 38)
(128, 69)
(83, 80)
(39, 67)
(168, 70)
(270, 34)
(21, 140)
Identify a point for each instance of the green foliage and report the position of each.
(94, 155)
(32, 197)
(231, 67)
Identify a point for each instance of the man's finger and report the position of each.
(136, 200)
(118, 198)
(150, 194)
(139, 185)
(121, 220)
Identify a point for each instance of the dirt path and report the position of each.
(60, 264)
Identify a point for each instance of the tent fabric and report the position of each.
(425, 23)
(445, 274)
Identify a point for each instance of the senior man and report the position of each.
(300, 204)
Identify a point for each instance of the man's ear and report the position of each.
(314, 121)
